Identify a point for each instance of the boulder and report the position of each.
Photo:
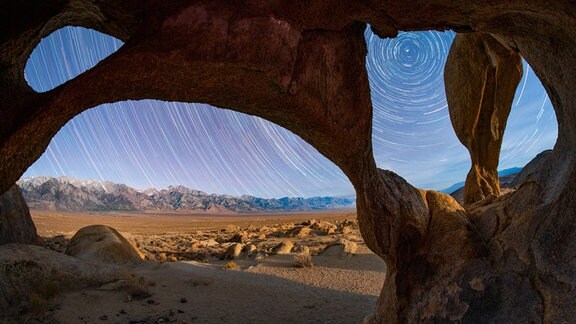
(241, 237)
(283, 248)
(16, 225)
(249, 249)
(233, 251)
(300, 231)
(342, 248)
(103, 244)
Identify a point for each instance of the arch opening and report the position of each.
(154, 144)
(412, 132)
(532, 125)
(65, 54)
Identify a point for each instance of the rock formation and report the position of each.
(99, 243)
(16, 225)
(530, 171)
(26, 270)
(302, 66)
(481, 76)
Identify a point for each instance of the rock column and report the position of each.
(481, 77)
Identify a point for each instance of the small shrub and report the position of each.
(38, 304)
(200, 282)
(137, 288)
(46, 288)
(303, 260)
(231, 265)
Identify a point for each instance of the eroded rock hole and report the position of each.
(412, 131)
(65, 54)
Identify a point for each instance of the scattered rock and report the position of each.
(230, 228)
(283, 248)
(239, 238)
(341, 248)
(209, 243)
(346, 229)
(249, 249)
(300, 232)
(183, 300)
(233, 251)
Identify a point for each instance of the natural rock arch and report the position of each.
(502, 259)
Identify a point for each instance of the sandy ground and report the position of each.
(337, 289)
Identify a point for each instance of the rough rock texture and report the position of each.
(28, 269)
(481, 76)
(16, 225)
(233, 251)
(100, 243)
(529, 172)
(302, 66)
(342, 248)
(283, 248)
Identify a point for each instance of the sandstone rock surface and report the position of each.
(16, 225)
(342, 248)
(233, 251)
(283, 248)
(100, 243)
(27, 269)
(530, 171)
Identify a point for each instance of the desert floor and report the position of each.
(337, 289)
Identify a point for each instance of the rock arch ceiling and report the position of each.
(319, 89)
(411, 127)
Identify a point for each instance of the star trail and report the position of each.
(156, 144)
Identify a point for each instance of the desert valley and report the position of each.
(299, 267)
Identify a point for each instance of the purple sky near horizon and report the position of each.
(151, 143)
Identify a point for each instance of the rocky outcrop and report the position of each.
(27, 270)
(16, 225)
(530, 171)
(481, 76)
(99, 243)
(302, 66)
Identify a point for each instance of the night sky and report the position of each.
(156, 144)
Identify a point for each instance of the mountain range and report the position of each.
(71, 194)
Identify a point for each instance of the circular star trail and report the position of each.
(155, 144)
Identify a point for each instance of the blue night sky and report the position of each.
(156, 144)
